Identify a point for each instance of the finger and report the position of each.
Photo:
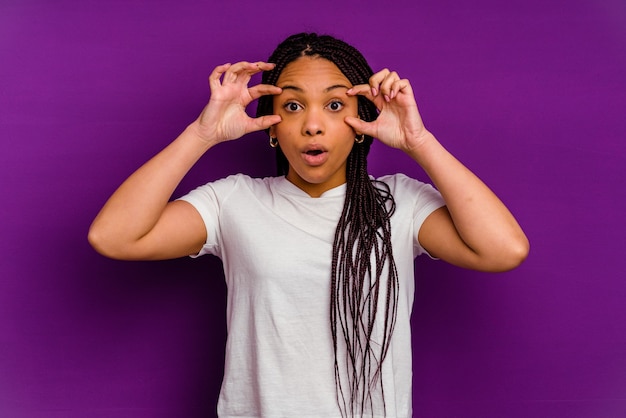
(361, 90)
(247, 69)
(234, 71)
(253, 67)
(258, 67)
(385, 85)
(214, 78)
(265, 66)
(239, 71)
(263, 122)
(366, 91)
(263, 90)
(360, 126)
(398, 86)
(376, 79)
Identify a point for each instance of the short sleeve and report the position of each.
(208, 200)
(423, 199)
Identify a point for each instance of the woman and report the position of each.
(319, 260)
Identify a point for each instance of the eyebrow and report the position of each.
(326, 90)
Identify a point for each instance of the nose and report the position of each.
(313, 123)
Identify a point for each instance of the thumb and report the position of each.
(360, 126)
(264, 122)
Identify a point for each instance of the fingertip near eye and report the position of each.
(265, 66)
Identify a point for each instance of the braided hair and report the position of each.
(364, 282)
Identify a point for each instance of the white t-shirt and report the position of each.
(275, 242)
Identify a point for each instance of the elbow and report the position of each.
(519, 257)
(502, 257)
(115, 245)
(97, 242)
(513, 255)
(103, 246)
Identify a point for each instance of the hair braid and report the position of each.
(363, 267)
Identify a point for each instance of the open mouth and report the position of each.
(315, 156)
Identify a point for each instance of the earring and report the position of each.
(359, 139)
(273, 141)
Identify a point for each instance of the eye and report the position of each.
(292, 107)
(335, 105)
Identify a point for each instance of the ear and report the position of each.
(272, 132)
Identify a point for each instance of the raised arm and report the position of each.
(139, 222)
(475, 230)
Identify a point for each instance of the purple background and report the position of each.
(529, 94)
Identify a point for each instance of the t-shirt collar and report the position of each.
(285, 186)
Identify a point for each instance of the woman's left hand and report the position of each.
(475, 229)
(399, 124)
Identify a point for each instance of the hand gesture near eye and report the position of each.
(224, 118)
(139, 222)
(399, 124)
(475, 229)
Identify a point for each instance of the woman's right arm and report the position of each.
(139, 222)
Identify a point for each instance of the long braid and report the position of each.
(363, 267)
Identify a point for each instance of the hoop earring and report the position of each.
(273, 141)
(359, 139)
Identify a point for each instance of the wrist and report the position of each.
(418, 145)
(197, 133)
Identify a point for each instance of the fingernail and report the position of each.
(374, 92)
(387, 99)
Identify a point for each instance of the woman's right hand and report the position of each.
(224, 118)
(139, 222)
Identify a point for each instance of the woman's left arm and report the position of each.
(475, 229)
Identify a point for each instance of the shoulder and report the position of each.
(409, 194)
(400, 185)
(395, 179)
(236, 186)
(236, 182)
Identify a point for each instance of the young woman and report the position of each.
(319, 260)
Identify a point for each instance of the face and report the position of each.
(313, 134)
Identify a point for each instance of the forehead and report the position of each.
(307, 70)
